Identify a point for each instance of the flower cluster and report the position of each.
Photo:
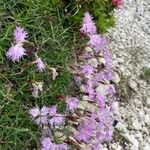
(47, 115)
(88, 27)
(16, 52)
(117, 3)
(96, 124)
(96, 41)
(48, 119)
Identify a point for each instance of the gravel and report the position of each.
(130, 46)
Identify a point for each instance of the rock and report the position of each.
(146, 146)
(148, 101)
(116, 78)
(93, 62)
(121, 127)
(102, 89)
(133, 84)
(88, 49)
(85, 98)
(147, 119)
(116, 107)
(132, 140)
(82, 105)
(101, 60)
(82, 88)
(115, 146)
(136, 125)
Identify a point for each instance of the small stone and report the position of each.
(85, 98)
(146, 146)
(116, 78)
(121, 127)
(148, 101)
(115, 146)
(82, 88)
(88, 49)
(82, 105)
(133, 84)
(101, 60)
(102, 89)
(131, 139)
(93, 62)
(147, 119)
(136, 125)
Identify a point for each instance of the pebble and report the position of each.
(121, 127)
(116, 78)
(136, 125)
(148, 101)
(147, 119)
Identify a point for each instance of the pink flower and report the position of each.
(117, 3)
(34, 112)
(100, 101)
(108, 134)
(86, 130)
(46, 144)
(110, 90)
(72, 103)
(55, 118)
(20, 34)
(40, 116)
(98, 77)
(16, 52)
(90, 89)
(62, 146)
(86, 70)
(108, 75)
(88, 26)
(77, 78)
(97, 42)
(40, 65)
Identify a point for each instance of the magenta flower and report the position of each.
(86, 70)
(20, 34)
(117, 3)
(40, 116)
(16, 52)
(100, 100)
(90, 89)
(72, 103)
(110, 90)
(46, 144)
(108, 75)
(98, 77)
(86, 130)
(108, 134)
(55, 118)
(40, 65)
(34, 112)
(77, 78)
(62, 146)
(97, 42)
(88, 26)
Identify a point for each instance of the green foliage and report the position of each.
(102, 11)
(146, 74)
(54, 44)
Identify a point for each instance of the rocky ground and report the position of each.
(130, 46)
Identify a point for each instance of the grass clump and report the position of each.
(47, 36)
(101, 10)
(146, 74)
